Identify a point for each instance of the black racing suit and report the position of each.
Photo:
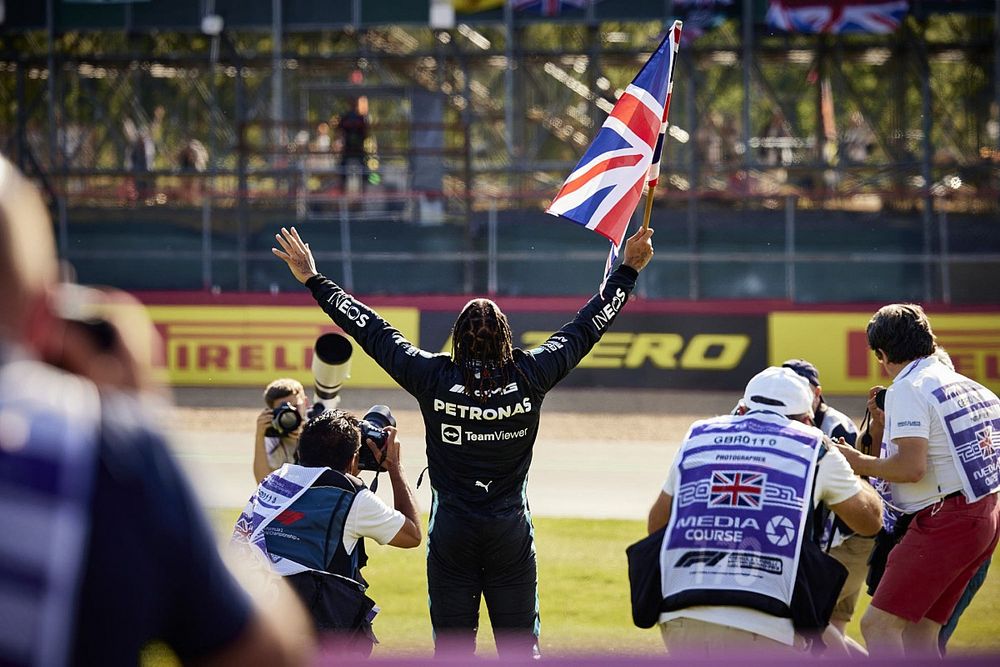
(480, 537)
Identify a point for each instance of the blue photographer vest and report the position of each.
(297, 519)
(311, 530)
(739, 515)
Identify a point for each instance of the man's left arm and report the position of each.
(567, 347)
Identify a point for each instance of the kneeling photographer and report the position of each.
(310, 520)
(280, 423)
(278, 426)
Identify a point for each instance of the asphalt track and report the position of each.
(600, 453)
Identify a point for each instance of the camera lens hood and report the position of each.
(380, 415)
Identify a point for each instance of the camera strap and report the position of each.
(866, 433)
(374, 484)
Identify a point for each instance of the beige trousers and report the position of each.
(698, 639)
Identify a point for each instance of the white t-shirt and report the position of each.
(909, 415)
(835, 483)
(370, 517)
(278, 451)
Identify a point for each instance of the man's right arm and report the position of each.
(909, 431)
(407, 364)
(659, 513)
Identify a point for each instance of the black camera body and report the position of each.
(373, 428)
(880, 399)
(284, 419)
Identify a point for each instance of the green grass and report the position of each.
(583, 590)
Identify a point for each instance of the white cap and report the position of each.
(780, 390)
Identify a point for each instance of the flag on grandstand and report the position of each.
(603, 190)
(548, 7)
(837, 16)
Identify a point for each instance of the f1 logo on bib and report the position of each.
(780, 531)
(451, 435)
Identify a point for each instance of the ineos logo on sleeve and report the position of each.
(451, 434)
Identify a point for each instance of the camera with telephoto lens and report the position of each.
(331, 366)
(880, 399)
(373, 428)
(284, 419)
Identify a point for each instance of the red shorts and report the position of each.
(927, 572)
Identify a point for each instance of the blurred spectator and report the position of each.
(192, 161)
(732, 147)
(353, 129)
(323, 142)
(710, 140)
(776, 146)
(104, 547)
(139, 155)
(320, 159)
(859, 140)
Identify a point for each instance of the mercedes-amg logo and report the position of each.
(451, 435)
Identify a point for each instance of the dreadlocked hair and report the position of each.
(482, 347)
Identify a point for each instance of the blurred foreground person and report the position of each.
(307, 522)
(942, 435)
(104, 548)
(481, 407)
(740, 567)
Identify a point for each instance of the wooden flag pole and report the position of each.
(649, 207)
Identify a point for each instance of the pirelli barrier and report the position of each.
(250, 345)
(248, 340)
(837, 344)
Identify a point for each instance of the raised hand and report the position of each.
(296, 254)
(639, 249)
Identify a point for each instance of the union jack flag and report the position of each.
(837, 16)
(654, 169)
(603, 190)
(548, 7)
(737, 489)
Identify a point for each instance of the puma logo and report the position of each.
(485, 486)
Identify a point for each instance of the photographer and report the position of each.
(278, 426)
(941, 432)
(309, 521)
(481, 408)
(748, 479)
